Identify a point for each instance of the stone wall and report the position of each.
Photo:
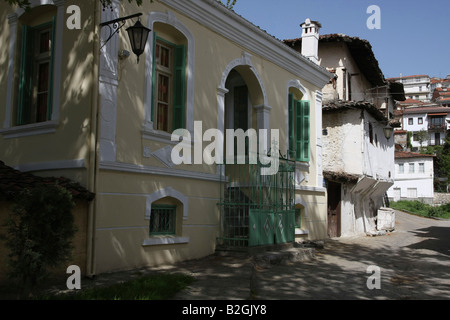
(441, 198)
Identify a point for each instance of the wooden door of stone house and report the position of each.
(334, 209)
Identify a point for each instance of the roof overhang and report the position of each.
(215, 16)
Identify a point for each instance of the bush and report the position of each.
(419, 208)
(39, 233)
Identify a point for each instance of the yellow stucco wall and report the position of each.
(120, 224)
(71, 140)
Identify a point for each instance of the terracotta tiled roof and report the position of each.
(428, 110)
(411, 101)
(413, 76)
(340, 105)
(360, 49)
(406, 154)
(12, 182)
(340, 176)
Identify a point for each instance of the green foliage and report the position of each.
(408, 142)
(230, 4)
(422, 136)
(39, 233)
(152, 287)
(421, 209)
(25, 4)
(445, 157)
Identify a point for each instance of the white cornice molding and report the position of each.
(52, 165)
(225, 22)
(134, 168)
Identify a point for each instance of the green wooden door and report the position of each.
(267, 227)
(261, 228)
(285, 226)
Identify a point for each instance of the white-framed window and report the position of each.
(33, 97)
(36, 81)
(421, 167)
(411, 167)
(167, 29)
(411, 193)
(401, 168)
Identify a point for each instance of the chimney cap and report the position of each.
(308, 22)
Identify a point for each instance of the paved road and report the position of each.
(413, 261)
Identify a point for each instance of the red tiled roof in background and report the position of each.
(12, 182)
(413, 76)
(406, 154)
(428, 110)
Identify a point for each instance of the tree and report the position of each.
(445, 157)
(230, 4)
(421, 137)
(105, 3)
(39, 233)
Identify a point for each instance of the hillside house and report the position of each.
(414, 177)
(358, 119)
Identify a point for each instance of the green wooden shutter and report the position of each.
(291, 125)
(26, 77)
(52, 60)
(179, 99)
(298, 130)
(154, 78)
(305, 131)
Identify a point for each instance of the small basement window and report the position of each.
(163, 220)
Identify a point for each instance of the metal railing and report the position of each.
(244, 190)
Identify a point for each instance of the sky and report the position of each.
(414, 36)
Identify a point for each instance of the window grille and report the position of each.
(163, 220)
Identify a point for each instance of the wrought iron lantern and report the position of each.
(388, 131)
(138, 34)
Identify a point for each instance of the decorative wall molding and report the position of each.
(165, 241)
(172, 172)
(163, 193)
(231, 26)
(52, 165)
(319, 144)
(109, 82)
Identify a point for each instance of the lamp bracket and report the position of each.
(115, 26)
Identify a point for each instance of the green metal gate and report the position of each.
(257, 210)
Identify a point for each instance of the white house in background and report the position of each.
(416, 87)
(414, 176)
(432, 119)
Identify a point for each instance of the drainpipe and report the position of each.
(93, 143)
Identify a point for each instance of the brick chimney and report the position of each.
(310, 40)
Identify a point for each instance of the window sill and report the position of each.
(157, 135)
(32, 129)
(301, 231)
(161, 136)
(167, 240)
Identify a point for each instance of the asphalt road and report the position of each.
(413, 262)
